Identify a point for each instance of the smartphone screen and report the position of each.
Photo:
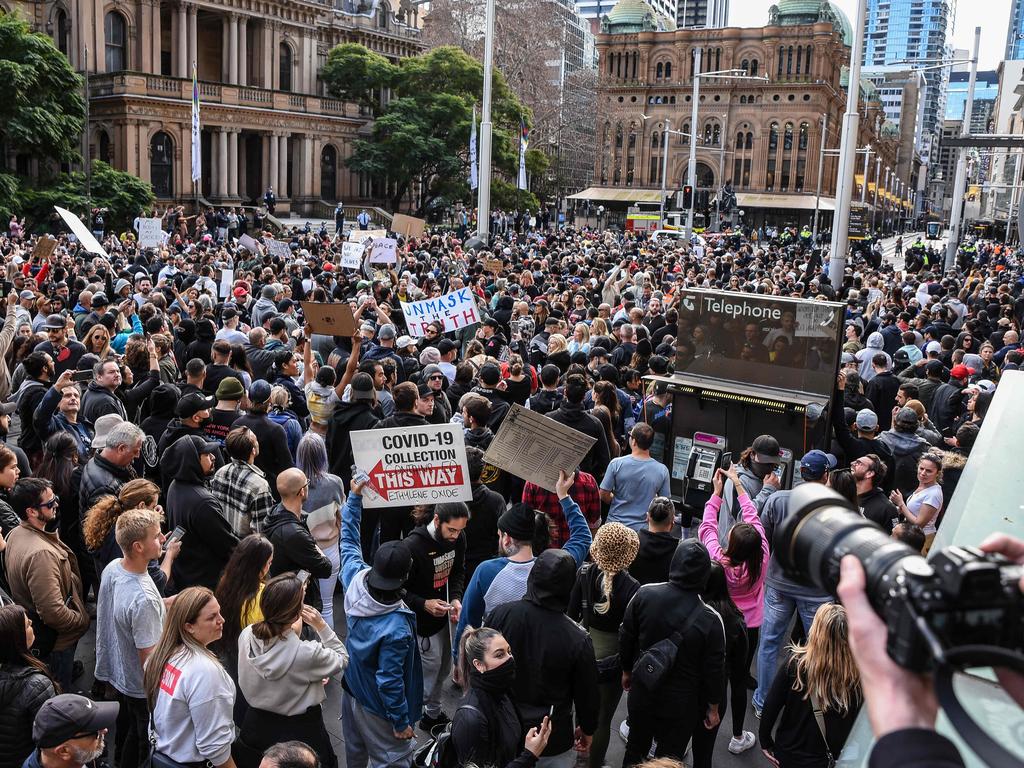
(778, 471)
(177, 534)
(82, 376)
(302, 576)
(726, 461)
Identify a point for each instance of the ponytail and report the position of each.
(473, 647)
(541, 533)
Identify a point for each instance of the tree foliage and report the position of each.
(121, 193)
(420, 140)
(42, 110)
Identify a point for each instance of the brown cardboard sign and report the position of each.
(494, 266)
(409, 226)
(45, 246)
(329, 318)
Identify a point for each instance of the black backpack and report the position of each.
(652, 667)
(439, 751)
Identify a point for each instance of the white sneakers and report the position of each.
(742, 744)
(624, 730)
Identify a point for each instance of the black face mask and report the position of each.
(762, 470)
(497, 680)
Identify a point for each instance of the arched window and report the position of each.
(803, 136)
(773, 137)
(329, 173)
(787, 140)
(750, 141)
(782, 55)
(789, 60)
(745, 65)
(799, 57)
(161, 165)
(685, 139)
(636, 59)
(753, 68)
(659, 71)
(707, 134)
(718, 60)
(104, 147)
(611, 63)
(655, 143)
(739, 140)
(807, 64)
(382, 16)
(716, 134)
(285, 58)
(668, 70)
(62, 32)
(618, 136)
(115, 34)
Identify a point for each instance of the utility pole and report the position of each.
(86, 153)
(959, 187)
(483, 195)
(691, 165)
(864, 186)
(664, 169)
(721, 171)
(821, 174)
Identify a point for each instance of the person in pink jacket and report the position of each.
(745, 557)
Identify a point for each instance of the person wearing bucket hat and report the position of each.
(599, 598)
(383, 697)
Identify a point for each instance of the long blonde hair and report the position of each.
(825, 665)
(184, 610)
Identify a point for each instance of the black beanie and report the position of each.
(518, 522)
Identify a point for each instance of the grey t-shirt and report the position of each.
(129, 616)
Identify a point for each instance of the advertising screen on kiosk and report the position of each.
(790, 344)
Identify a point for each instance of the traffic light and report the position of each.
(687, 196)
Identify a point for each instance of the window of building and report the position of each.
(116, 40)
(807, 60)
(789, 61)
(750, 141)
(803, 136)
(799, 57)
(654, 140)
(161, 165)
(739, 141)
(659, 71)
(104, 147)
(285, 57)
(773, 137)
(753, 68)
(745, 65)
(63, 32)
(716, 134)
(668, 70)
(329, 173)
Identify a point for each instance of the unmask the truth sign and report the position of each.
(455, 310)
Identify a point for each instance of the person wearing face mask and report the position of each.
(486, 729)
(756, 472)
(191, 414)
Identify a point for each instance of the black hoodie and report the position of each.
(438, 573)
(555, 666)
(295, 550)
(658, 610)
(208, 541)
(654, 557)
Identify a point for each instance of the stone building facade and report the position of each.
(266, 118)
(763, 137)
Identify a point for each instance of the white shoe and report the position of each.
(624, 730)
(742, 744)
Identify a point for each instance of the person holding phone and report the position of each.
(58, 412)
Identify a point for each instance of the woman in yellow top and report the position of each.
(239, 592)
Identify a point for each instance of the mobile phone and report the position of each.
(778, 471)
(302, 576)
(359, 475)
(176, 535)
(5, 288)
(551, 712)
(82, 376)
(726, 461)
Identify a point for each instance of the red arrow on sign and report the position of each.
(385, 480)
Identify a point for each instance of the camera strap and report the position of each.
(819, 717)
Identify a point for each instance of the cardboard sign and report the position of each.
(455, 310)
(362, 235)
(535, 447)
(249, 244)
(44, 248)
(409, 226)
(351, 255)
(227, 279)
(494, 266)
(85, 237)
(150, 234)
(412, 465)
(384, 250)
(277, 248)
(329, 318)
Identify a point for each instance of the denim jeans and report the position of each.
(779, 608)
(61, 664)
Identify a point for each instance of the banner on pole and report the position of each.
(455, 310)
(412, 465)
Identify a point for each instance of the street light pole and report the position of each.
(483, 195)
(691, 165)
(821, 174)
(874, 201)
(864, 186)
(847, 154)
(961, 162)
(721, 171)
(664, 168)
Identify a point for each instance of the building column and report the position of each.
(243, 51)
(274, 164)
(233, 163)
(282, 170)
(268, 55)
(221, 187)
(314, 168)
(193, 39)
(306, 164)
(275, 56)
(156, 35)
(233, 48)
(181, 24)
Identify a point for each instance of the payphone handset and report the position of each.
(706, 456)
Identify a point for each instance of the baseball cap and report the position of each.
(932, 346)
(767, 450)
(238, 293)
(444, 346)
(64, 716)
(387, 331)
(230, 388)
(866, 420)
(490, 322)
(229, 313)
(26, 294)
(986, 386)
(259, 391)
(391, 566)
(102, 428)
(424, 390)
(361, 387)
(98, 300)
(490, 374)
(405, 341)
(906, 416)
(54, 322)
(596, 352)
(960, 372)
(847, 358)
(933, 367)
(193, 403)
(6, 409)
(816, 463)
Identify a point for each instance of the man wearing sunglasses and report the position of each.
(44, 577)
(69, 730)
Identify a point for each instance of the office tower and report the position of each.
(1015, 31)
(702, 13)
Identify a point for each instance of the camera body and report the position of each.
(964, 596)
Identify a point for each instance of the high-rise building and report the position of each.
(1015, 31)
(986, 90)
(595, 10)
(702, 13)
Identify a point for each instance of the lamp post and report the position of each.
(864, 185)
(721, 171)
(821, 174)
(874, 201)
(961, 162)
(483, 194)
(664, 169)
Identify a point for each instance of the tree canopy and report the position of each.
(420, 140)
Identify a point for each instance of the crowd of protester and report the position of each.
(144, 393)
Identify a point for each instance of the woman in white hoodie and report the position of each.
(283, 669)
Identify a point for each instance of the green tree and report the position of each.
(42, 111)
(420, 141)
(121, 193)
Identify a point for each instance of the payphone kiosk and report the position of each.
(706, 453)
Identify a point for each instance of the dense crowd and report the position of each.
(179, 390)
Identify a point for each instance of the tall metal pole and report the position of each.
(691, 166)
(721, 171)
(483, 195)
(664, 168)
(821, 174)
(961, 162)
(847, 155)
(86, 153)
(864, 186)
(874, 201)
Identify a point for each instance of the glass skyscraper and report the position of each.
(1015, 31)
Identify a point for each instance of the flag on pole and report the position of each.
(524, 142)
(197, 146)
(472, 153)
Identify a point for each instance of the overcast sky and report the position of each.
(754, 13)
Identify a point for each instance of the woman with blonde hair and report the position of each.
(558, 352)
(580, 339)
(97, 341)
(815, 696)
(599, 598)
(281, 413)
(189, 692)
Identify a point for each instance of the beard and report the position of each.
(83, 756)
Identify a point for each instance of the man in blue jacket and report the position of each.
(383, 696)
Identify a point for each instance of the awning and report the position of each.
(780, 200)
(618, 195)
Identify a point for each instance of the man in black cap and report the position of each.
(383, 697)
(190, 415)
(493, 339)
(65, 353)
(274, 456)
(757, 470)
(100, 302)
(69, 731)
(449, 351)
(597, 356)
(490, 377)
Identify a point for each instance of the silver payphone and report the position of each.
(706, 452)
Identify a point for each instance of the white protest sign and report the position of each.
(351, 255)
(227, 278)
(150, 234)
(412, 465)
(362, 235)
(85, 237)
(249, 244)
(383, 250)
(455, 310)
(277, 248)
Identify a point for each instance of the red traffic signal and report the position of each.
(687, 196)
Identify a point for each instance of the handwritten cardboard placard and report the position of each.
(45, 246)
(408, 226)
(329, 318)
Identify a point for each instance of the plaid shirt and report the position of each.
(244, 495)
(584, 492)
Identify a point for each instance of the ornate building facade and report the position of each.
(266, 118)
(764, 137)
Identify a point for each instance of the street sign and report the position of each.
(859, 226)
